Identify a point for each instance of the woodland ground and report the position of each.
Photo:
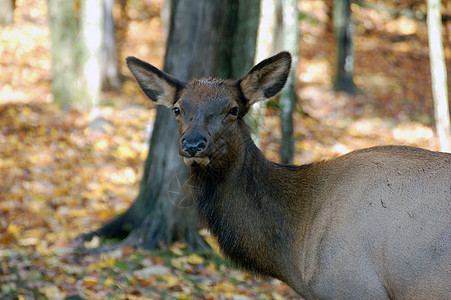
(62, 175)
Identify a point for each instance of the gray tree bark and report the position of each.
(76, 52)
(109, 70)
(64, 51)
(6, 12)
(345, 57)
(164, 210)
(438, 75)
(287, 98)
(238, 47)
(265, 47)
(91, 33)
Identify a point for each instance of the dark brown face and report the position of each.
(210, 111)
(206, 112)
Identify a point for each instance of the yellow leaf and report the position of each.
(211, 241)
(225, 287)
(30, 241)
(14, 230)
(54, 134)
(104, 214)
(125, 152)
(171, 280)
(102, 144)
(108, 282)
(211, 267)
(94, 243)
(42, 130)
(177, 263)
(77, 213)
(125, 176)
(109, 262)
(52, 292)
(130, 279)
(90, 281)
(177, 248)
(7, 88)
(41, 158)
(195, 259)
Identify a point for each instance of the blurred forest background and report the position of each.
(65, 170)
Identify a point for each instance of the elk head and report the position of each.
(210, 111)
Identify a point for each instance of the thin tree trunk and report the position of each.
(109, 70)
(64, 52)
(238, 47)
(264, 48)
(287, 98)
(6, 12)
(345, 56)
(253, 12)
(438, 74)
(91, 30)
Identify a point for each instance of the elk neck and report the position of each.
(250, 206)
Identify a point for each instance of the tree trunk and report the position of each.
(438, 74)
(6, 12)
(238, 46)
(64, 52)
(164, 211)
(109, 70)
(265, 47)
(91, 31)
(76, 53)
(345, 56)
(287, 98)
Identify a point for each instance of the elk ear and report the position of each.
(157, 85)
(266, 79)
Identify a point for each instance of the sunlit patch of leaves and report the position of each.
(174, 273)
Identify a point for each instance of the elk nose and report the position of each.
(194, 146)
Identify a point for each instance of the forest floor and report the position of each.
(63, 173)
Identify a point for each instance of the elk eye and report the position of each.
(176, 111)
(234, 111)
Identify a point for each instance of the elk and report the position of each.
(371, 224)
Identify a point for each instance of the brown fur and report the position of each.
(372, 224)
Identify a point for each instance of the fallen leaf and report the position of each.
(93, 243)
(90, 281)
(195, 259)
(171, 280)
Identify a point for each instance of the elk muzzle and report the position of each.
(193, 149)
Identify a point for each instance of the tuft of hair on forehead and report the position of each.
(214, 87)
(211, 82)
